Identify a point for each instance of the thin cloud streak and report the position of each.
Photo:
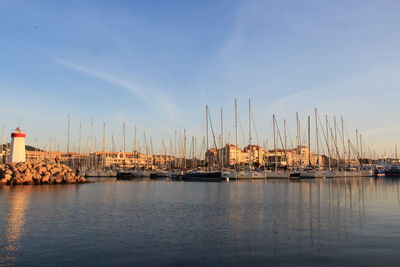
(283, 102)
(102, 76)
(149, 95)
(28, 115)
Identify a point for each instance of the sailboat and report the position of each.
(276, 174)
(250, 173)
(311, 171)
(207, 175)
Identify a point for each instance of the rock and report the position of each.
(45, 179)
(21, 167)
(56, 174)
(17, 176)
(19, 181)
(42, 170)
(69, 176)
(27, 178)
(55, 170)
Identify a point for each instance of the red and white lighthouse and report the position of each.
(17, 150)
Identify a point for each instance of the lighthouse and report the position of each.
(17, 150)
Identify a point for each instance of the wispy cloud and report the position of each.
(28, 115)
(150, 96)
(103, 76)
(289, 99)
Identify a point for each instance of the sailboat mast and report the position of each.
(135, 147)
(309, 141)
(184, 148)
(344, 146)
(348, 144)
(336, 145)
(222, 138)
(357, 140)
(273, 130)
(285, 144)
(2, 139)
(146, 148)
(175, 152)
(361, 151)
(327, 141)
(91, 136)
(298, 139)
(236, 134)
(123, 145)
(285, 133)
(151, 151)
(317, 136)
(80, 136)
(113, 143)
(103, 148)
(193, 151)
(250, 147)
(207, 163)
(69, 131)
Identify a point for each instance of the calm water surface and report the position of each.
(326, 222)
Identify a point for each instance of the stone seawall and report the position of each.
(38, 173)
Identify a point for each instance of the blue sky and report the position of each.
(156, 64)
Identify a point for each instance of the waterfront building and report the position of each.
(109, 160)
(257, 156)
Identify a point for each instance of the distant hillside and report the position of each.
(27, 148)
(31, 148)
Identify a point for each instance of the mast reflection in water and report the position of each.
(157, 223)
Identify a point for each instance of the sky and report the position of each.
(157, 64)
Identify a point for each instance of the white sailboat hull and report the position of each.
(91, 174)
(145, 174)
(246, 175)
(347, 174)
(136, 174)
(367, 173)
(317, 174)
(277, 175)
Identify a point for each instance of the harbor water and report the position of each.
(322, 222)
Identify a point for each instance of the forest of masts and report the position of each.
(329, 138)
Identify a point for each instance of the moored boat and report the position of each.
(202, 176)
(125, 175)
(394, 171)
(91, 173)
(159, 174)
(310, 172)
(246, 175)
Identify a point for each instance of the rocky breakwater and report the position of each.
(38, 173)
